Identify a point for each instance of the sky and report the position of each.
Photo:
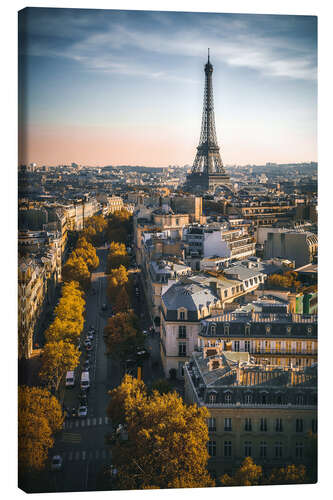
(111, 87)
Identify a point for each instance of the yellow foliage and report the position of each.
(58, 358)
(167, 439)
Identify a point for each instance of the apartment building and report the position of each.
(265, 412)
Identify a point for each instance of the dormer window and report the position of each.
(227, 397)
(247, 330)
(309, 330)
(227, 329)
(288, 330)
(212, 398)
(248, 398)
(268, 329)
(182, 314)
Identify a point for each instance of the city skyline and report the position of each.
(125, 87)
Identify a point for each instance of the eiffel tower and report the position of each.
(207, 172)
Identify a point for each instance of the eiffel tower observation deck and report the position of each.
(207, 172)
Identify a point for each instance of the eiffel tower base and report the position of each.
(201, 182)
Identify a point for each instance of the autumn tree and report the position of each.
(290, 474)
(122, 303)
(117, 256)
(249, 474)
(39, 417)
(117, 278)
(167, 440)
(57, 359)
(94, 229)
(122, 334)
(119, 226)
(76, 269)
(87, 251)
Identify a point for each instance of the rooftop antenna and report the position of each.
(208, 54)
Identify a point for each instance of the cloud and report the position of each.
(121, 42)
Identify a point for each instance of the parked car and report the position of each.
(82, 411)
(86, 365)
(74, 412)
(142, 353)
(89, 337)
(56, 462)
(89, 347)
(86, 342)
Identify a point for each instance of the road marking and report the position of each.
(70, 437)
(88, 421)
(100, 420)
(83, 455)
(106, 420)
(94, 421)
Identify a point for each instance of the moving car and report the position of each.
(70, 379)
(142, 353)
(82, 411)
(85, 380)
(86, 365)
(56, 462)
(86, 342)
(89, 347)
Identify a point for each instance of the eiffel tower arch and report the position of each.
(207, 171)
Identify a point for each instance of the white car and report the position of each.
(56, 462)
(82, 411)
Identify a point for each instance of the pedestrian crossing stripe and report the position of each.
(88, 422)
(69, 437)
(75, 456)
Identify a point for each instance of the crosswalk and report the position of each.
(84, 455)
(86, 422)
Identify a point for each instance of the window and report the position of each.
(263, 449)
(182, 332)
(212, 397)
(278, 347)
(227, 397)
(181, 349)
(299, 450)
(278, 449)
(299, 425)
(278, 425)
(226, 329)
(263, 424)
(298, 347)
(182, 315)
(236, 344)
(279, 399)
(248, 425)
(247, 346)
(288, 346)
(268, 329)
(227, 424)
(264, 399)
(247, 330)
(309, 347)
(288, 330)
(225, 293)
(267, 346)
(213, 330)
(212, 448)
(248, 398)
(247, 448)
(257, 345)
(300, 399)
(212, 424)
(314, 426)
(227, 448)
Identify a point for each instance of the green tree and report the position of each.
(39, 417)
(249, 474)
(58, 358)
(167, 440)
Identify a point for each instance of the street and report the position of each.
(81, 444)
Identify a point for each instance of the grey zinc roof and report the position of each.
(191, 296)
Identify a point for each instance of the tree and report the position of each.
(122, 303)
(87, 251)
(167, 440)
(94, 229)
(122, 335)
(117, 256)
(162, 386)
(249, 474)
(290, 474)
(39, 417)
(57, 359)
(119, 226)
(116, 280)
(76, 269)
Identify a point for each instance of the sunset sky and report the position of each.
(103, 87)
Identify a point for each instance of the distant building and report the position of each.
(294, 245)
